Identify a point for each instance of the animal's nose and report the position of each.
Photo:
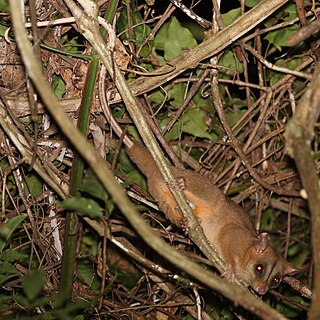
(261, 290)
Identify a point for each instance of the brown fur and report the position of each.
(226, 225)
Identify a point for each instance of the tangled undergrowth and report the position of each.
(217, 95)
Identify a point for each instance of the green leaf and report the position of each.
(235, 115)
(71, 45)
(33, 184)
(176, 95)
(140, 32)
(92, 186)
(87, 274)
(125, 277)
(5, 301)
(160, 37)
(3, 29)
(8, 228)
(203, 103)
(132, 130)
(157, 97)
(89, 243)
(287, 12)
(11, 255)
(178, 39)
(290, 12)
(136, 177)
(7, 271)
(232, 64)
(173, 39)
(230, 16)
(252, 3)
(159, 41)
(279, 38)
(4, 6)
(58, 86)
(33, 284)
(84, 207)
(192, 122)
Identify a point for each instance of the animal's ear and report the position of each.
(290, 270)
(262, 242)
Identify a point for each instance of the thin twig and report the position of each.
(274, 67)
(238, 148)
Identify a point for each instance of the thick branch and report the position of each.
(299, 135)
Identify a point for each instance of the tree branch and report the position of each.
(299, 135)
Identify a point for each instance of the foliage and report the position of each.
(257, 101)
(171, 40)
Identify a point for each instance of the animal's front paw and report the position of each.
(184, 224)
(178, 184)
(229, 274)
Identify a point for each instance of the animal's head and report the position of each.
(264, 267)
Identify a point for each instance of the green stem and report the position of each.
(71, 235)
(71, 226)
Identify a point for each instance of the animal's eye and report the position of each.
(260, 268)
(275, 281)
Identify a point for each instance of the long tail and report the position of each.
(141, 156)
(138, 153)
